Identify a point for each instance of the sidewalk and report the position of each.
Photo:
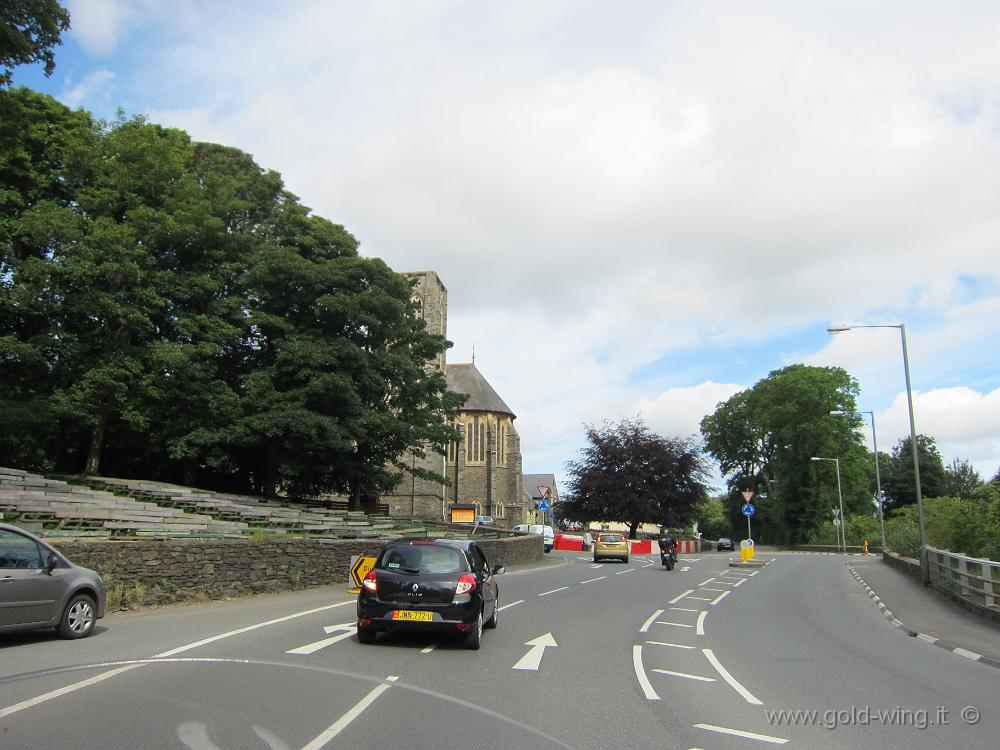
(927, 612)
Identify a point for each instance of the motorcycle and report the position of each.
(668, 558)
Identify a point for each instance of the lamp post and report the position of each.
(913, 429)
(840, 497)
(878, 480)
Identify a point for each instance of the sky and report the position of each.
(637, 207)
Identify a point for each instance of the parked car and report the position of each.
(443, 585)
(724, 543)
(485, 520)
(41, 588)
(610, 545)
(546, 532)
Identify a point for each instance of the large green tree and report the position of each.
(765, 437)
(630, 474)
(900, 482)
(29, 29)
(961, 480)
(169, 310)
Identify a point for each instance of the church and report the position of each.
(484, 466)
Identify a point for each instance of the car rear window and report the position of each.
(423, 559)
(610, 538)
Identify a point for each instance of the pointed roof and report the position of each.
(531, 483)
(465, 378)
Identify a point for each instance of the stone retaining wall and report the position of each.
(904, 564)
(171, 570)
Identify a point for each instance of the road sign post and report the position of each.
(748, 510)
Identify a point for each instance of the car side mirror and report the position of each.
(51, 563)
(497, 570)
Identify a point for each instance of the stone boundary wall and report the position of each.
(906, 565)
(172, 570)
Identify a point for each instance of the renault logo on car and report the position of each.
(414, 588)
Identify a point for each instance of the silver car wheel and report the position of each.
(80, 618)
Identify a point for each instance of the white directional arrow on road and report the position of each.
(346, 630)
(533, 659)
(685, 569)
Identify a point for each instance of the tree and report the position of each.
(961, 480)
(630, 474)
(900, 485)
(712, 521)
(29, 29)
(765, 437)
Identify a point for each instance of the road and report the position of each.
(608, 656)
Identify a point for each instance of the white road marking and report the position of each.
(64, 690)
(591, 580)
(349, 629)
(512, 604)
(685, 609)
(431, 647)
(707, 588)
(700, 598)
(533, 659)
(652, 618)
(247, 629)
(685, 674)
(747, 695)
(640, 674)
(561, 588)
(751, 575)
(720, 597)
(739, 583)
(678, 598)
(675, 624)
(741, 733)
(340, 724)
(700, 625)
(685, 569)
(113, 672)
(672, 645)
(622, 572)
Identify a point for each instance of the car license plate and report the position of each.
(409, 614)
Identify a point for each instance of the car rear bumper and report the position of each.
(449, 619)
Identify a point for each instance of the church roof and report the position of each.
(465, 378)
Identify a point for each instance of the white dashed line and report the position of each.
(591, 580)
(741, 733)
(512, 604)
(708, 581)
(672, 645)
(720, 597)
(623, 572)
(678, 598)
(561, 588)
(700, 625)
(685, 609)
(747, 695)
(697, 677)
(650, 621)
(675, 624)
(640, 674)
(430, 648)
(340, 724)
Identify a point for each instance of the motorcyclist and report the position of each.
(667, 544)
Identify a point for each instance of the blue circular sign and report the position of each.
(544, 505)
(748, 510)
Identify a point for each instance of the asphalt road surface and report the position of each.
(608, 656)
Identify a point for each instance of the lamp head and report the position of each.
(838, 329)
(837, 413)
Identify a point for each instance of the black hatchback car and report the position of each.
(442, 585)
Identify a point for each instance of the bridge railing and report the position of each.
(972, 578)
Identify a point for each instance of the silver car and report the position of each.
(40, 588)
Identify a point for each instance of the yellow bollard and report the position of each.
(866, 546)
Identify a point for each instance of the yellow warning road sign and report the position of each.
(360, 567)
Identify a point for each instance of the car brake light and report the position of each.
(371, 582)
(466, 584)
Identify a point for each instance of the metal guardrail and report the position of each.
(972, 578)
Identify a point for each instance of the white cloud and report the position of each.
(95, 86)
(601, 187)
(965, 424)
(98, 24)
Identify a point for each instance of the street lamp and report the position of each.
(913, 429)
(878, 480)
(840, 496)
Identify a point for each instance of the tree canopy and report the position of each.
(765, 437)
(29, 29)
(900, 483)
(169, 310)
(630, 474)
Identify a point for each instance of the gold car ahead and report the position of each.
(610, 545)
